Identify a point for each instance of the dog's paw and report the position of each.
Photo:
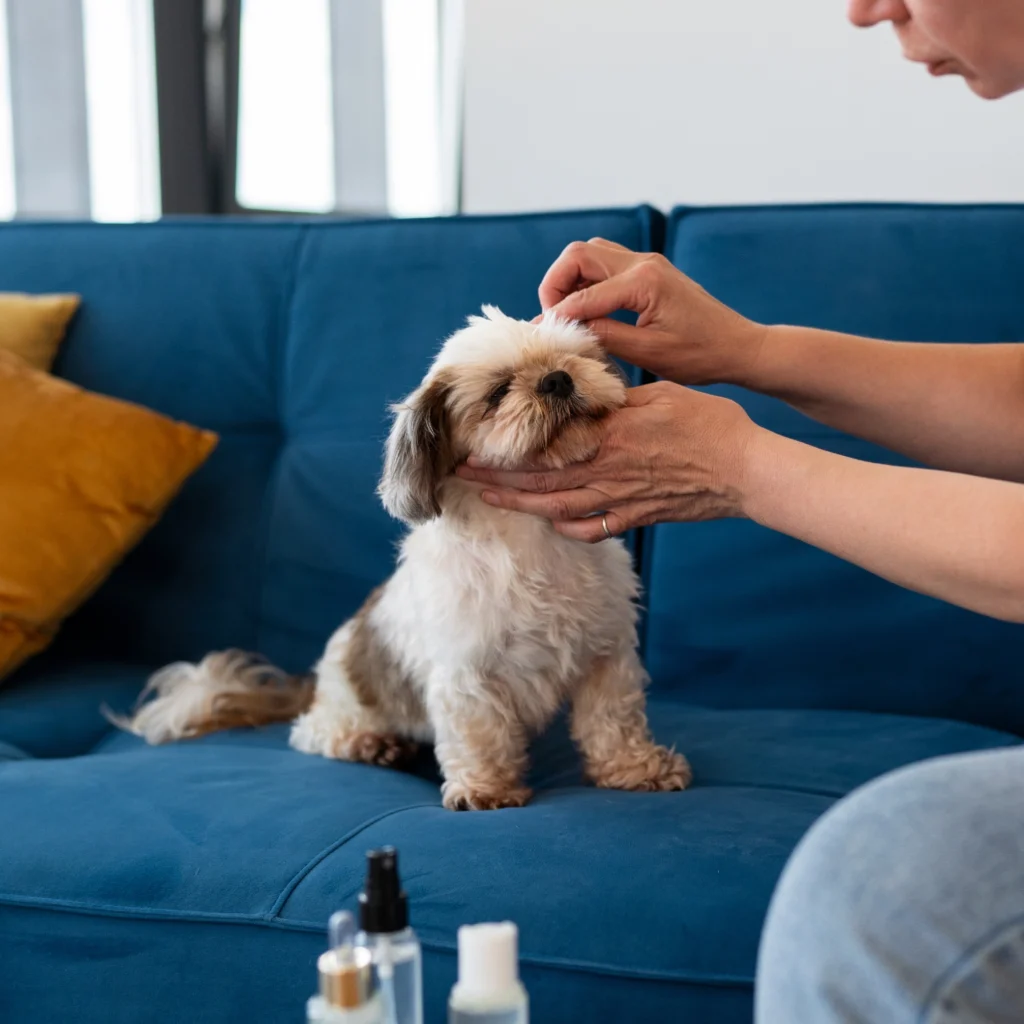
(457, 797)
(655, 769)
(316, 735)
(385, 751)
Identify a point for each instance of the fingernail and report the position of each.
(490, 497)
(474, 462)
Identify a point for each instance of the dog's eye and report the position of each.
(495, 397)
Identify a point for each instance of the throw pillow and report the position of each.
(33, 326)
(82, 478)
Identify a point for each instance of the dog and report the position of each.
(492, 621)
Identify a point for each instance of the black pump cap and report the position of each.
(383, 907)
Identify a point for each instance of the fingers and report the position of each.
(536, 481)
(604, 242)
(600, 300)
(579, 264)
(559, 506)
(624, 517)
(591, 529)
(617, 338)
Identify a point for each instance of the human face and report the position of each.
(980, 40)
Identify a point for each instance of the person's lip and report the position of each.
(941, 67)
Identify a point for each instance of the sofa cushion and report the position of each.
(744, 617)
(220, 860)
(52, 710)
(289, 340)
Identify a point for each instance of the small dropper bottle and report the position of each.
(393, 945)
(348, 993)
(488, 990)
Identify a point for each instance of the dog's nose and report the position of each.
(558, 384)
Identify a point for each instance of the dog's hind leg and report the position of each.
(609, 724)
(365, 709)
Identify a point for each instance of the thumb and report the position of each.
(645, 394)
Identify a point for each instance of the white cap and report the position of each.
(488, 958)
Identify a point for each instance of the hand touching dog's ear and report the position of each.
(419, 453)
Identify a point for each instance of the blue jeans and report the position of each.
(905, 903)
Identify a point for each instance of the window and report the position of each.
(7, 202)
(309, 106)
(120, 91)
(78, 110)
(285, 122)
(349, 107)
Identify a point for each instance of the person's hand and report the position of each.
(671, 454)
(681, 333)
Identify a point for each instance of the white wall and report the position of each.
(575, 103)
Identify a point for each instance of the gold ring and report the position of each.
(604, 524)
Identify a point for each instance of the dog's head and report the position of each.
(506, 391)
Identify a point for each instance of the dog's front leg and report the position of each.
(609, 724)
(482, 750)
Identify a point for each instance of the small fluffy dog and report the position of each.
(492, 620)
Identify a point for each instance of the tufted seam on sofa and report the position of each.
(303, 872)
(313, 927)
(273, 479)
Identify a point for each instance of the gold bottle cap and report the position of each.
(346, 977)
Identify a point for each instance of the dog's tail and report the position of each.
(226, 690)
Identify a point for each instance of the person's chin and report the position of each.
(988, 90)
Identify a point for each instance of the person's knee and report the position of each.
(857, 912)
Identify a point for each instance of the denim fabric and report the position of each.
(905, 903)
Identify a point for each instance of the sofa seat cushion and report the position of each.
(53, 710)
(219, 860)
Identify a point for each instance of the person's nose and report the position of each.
(865, 13)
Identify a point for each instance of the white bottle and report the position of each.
(488, 990)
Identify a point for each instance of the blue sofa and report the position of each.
(192, 883)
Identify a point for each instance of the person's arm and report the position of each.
(677, 455)
(955, 537)
(958, 407)
(955, 407)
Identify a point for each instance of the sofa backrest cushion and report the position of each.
(289, 340)
(740, 616)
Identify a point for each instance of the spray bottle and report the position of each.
(392, 945)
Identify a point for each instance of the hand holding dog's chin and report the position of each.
(671, 455)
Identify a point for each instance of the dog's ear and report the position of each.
(419, 453)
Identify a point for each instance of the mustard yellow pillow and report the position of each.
(33, 326)
(82, 478)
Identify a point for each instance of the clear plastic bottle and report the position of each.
(488, 990)
(393, 946)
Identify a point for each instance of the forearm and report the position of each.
(955, 407)
(954, 537)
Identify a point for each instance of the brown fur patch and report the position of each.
(377, 679)
(609, 725)
(419, 453)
